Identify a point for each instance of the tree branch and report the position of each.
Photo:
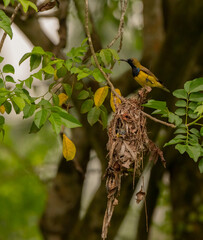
(94, 55)
(124, 4)
(12, 19)
(159, 121)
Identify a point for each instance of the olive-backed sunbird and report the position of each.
(143, 75)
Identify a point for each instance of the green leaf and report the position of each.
(8, 69)
(78, 86)
(187, 86)
(16, 108)
(201, 131)
(174, 141)
(55, 99)
(196, 85)
(9, 79)
(193, 115)
(56, 122)
(180, 130)
(199, 110)
(19, 102)
(172, 118)
(4, 92)
(5, 23)
(26, 4)
(158, 111)
(180, 93)
(6, 2)
(61, 72)
(161, 105)
(2, 120)
(68, 120)
(98, 76)
(32, 5)
(49, 69)
(193, 139)
(45, 103)
(59, 64)
(86, 106)
(68, 89)
(1, 83)
(24, 57)
(34, 128)
(38, 50)
(29, 110)
(196, 97)
(105, 56)
(193, 105)
(104, 116)
(194, 151)
(8, 106)
(181, 103)
(83, 95)
(28, 82)
(1, 59)
(84, 73)
(181, 148)
(19, 85)
(195, 131)
(68, 64)
(93, 115)
(180, 112)
(38, 75)
(75, 70)
(200, 165)
(41, 117)
(114, 53)
(180, 136)
(35, 61)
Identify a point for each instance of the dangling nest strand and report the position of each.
(128, 144)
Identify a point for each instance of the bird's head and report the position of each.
(133, 62)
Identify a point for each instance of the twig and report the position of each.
(94, 55)
(159, 121)
(121, 25)
(12, 19)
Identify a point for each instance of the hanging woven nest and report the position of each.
(128, 144)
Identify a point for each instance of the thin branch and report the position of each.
(121, 25)
(94, 55)
(12, 19)
(159, 121)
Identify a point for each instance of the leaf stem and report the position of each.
(195, 121)
(186, 119)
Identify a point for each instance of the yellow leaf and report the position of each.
(2, 109)
(100, 95)
(69, 148)
(62, 98)
(115, 100)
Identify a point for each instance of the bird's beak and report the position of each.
(123, 60)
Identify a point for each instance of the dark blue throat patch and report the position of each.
(135, 71)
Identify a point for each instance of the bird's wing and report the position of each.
(147, 71)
